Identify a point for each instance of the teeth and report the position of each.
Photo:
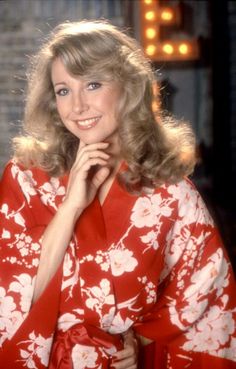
(87, 122)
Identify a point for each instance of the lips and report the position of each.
(87, 123)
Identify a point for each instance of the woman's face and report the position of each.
(86, 107)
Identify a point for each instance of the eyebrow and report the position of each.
(59, 83)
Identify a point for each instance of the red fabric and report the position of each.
(154, 262)
(43, 316)
(83, 334)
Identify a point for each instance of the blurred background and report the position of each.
(192, 45)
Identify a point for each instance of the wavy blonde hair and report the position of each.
(155, 150)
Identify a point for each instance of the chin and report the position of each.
(94, 140)
(90, 141)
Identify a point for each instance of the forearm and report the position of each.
(59, 232)
(55, 241)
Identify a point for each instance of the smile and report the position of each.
(88, 123)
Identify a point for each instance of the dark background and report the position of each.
(222, 162)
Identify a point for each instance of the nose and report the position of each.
(80, 103)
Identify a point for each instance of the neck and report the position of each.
(114, 151)
(105, 187)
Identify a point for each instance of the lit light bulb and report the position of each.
(168, 49)
(167, 15)
(148, 2)
(150, 15)
(183, 49)
(150, 33)
(151, 49)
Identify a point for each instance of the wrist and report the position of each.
(70, 211)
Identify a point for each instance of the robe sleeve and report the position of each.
(193, 322)
(26, 331)
(23, 218)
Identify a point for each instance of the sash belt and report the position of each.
(83, 334)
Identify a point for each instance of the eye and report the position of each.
(93, 85)
(62, 92)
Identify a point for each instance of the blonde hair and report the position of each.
(155, 150)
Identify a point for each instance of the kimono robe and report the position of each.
(152, 262)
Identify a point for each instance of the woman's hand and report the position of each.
(128, 357)
(87, 174)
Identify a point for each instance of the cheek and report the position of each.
(111, 104)
(61, 108)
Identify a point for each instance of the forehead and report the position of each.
(60, 72)
(58, 68)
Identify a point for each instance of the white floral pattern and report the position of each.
(23, 286)
(98, 296)
(84, 357)
(122, 261)
(50, 190)
(151, 240)
(26, 181)
(38, 347)
(147, 210)
(211, 332)
(10, 318)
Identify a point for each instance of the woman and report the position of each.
(104, 241)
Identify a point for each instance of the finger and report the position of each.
(88, 148)
(85, 156)
(91, 164)
(126, 353)
(90, 155)
(85, 171)
(82, 173)
(117, 366)
(125, 364)
(85, 168)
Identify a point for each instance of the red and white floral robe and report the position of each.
(153, 262)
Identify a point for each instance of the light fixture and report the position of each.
(183, 48)
(167, 15)
(150, 33)
(153, 16)
(168, 48)
(150, 50)
(150, 15)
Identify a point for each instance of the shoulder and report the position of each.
(186, 201)
(180, 191)
(33, 183)
(16, 171)
(34, 178)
